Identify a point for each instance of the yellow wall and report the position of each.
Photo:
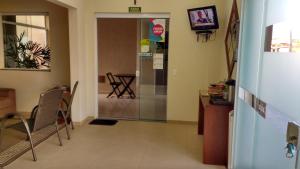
(77, 56)
(29, 84)
(196, 64)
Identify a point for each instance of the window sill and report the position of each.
(24, 69)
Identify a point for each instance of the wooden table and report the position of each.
(126, 80)
(213, 124)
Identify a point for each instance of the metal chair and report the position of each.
(68, 112)
(43, 115)
(114, 84)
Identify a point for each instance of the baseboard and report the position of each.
(83, 122)
(182, 122)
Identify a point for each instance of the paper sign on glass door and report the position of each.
(145, 45)
(157, 30)
(158, 61)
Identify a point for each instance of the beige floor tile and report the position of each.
(127, 145)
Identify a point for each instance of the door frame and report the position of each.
(233, 158)
(99, 15)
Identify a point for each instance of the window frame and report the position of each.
(46, 28)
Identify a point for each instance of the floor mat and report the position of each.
(103, 122)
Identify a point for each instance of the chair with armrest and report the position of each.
(14, 152)
(43, 115)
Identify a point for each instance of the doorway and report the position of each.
(135, 51)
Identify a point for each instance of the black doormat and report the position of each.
(103, 122)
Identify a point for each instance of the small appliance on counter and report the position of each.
(222, 93)
(231, 90)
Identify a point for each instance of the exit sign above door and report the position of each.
(135, 9)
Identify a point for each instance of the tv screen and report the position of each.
(204, 18)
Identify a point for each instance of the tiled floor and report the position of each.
(144, 107)
(118, 108)
(11, 137)
(128, 145)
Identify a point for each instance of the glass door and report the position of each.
(153, 74)
(261, 131)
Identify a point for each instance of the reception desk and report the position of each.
(213, 125)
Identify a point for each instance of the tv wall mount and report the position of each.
(205, 35)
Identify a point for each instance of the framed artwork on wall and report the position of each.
(232, 39)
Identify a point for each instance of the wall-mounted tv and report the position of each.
(204, 18)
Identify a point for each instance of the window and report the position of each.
(282, 37)
(25, 42)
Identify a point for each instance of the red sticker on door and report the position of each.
(158, 30)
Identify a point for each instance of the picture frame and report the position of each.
(232, 39)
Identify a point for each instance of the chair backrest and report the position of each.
(71, 99)
(110, 77)
(49, 105)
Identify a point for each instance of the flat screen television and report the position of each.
(204, 18)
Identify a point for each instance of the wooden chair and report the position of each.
(114, 84)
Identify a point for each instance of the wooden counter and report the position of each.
(213, 124)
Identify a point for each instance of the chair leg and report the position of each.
(110, 94)
(66, 125)
(32, 149)
(72, 124)
(117, 88)
(58, 135)
(30, 139)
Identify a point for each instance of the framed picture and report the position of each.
(232, 39)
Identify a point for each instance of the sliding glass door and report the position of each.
(153, 73)
(149, 69)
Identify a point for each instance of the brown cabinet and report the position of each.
(213, 124)
(7, 101)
